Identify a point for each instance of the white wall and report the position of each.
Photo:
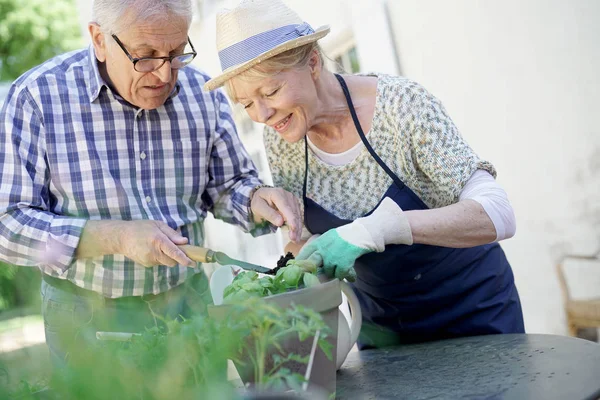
(520, 80)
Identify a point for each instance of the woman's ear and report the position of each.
(315, 64)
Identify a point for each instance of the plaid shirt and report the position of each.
(72, 150)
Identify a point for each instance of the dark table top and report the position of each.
(516, 366)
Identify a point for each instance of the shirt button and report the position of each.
(143, 155)
(417, 277)
(148, 199)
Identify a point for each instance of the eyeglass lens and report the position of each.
(150, 64)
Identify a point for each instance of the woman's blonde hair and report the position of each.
(294, 58)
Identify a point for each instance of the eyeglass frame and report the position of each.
(135, 60)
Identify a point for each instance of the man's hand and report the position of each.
(152, 243)
(277, 206)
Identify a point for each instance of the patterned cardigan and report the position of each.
(414, 136)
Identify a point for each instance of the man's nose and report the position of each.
(164, 72)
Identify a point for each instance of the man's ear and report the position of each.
(98, 41)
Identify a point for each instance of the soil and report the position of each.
(282, 262)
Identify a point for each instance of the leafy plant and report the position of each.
(186, 359)
(19, 287)
(25, 391)
(182, 359)
(266, 329)
(296, 274)
(273, 365)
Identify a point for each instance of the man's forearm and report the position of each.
(100, 238)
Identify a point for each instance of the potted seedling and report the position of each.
(295, 283)
(187, 359)
(281, 344)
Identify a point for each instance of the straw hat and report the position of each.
(254, 31)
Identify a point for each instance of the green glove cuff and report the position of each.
(336, 255)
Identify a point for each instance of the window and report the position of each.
(347, 61)
(342, 52)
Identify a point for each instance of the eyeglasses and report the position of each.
(149, 64)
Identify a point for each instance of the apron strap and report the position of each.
(378, 159)
(305, 172)
(391, 174)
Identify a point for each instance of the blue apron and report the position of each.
(420, 292)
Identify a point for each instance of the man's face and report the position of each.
(162, 38)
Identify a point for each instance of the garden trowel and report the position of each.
(204, 255)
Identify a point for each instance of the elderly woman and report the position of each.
(403, 206)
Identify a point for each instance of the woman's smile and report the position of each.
(282, 125)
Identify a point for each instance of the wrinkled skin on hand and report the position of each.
(279, 207)
(152, 243)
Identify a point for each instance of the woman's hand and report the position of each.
(335, 254)
(279, 207)
(338, 249)
(294, 247)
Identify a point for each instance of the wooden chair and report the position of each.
(581, 313)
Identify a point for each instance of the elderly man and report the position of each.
(110, 158)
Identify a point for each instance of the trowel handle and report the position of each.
(198, 254)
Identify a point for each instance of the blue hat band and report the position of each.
(256, 45)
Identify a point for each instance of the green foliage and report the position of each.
(273, 366)
(179, 361)
(19, 286)
(293, 276)
(265, 330)
(25, 391)
(188, 359)
(7, 277)
(33, 31)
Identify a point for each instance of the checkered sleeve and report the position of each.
(30, 235)
(232, 173)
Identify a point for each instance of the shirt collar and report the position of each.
(96, 82)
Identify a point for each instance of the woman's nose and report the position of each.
(263, 112)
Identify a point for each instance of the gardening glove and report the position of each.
(311, 239)
(337, 249)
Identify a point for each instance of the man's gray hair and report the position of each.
(109, 13)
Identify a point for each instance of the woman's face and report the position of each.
(286, 101)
